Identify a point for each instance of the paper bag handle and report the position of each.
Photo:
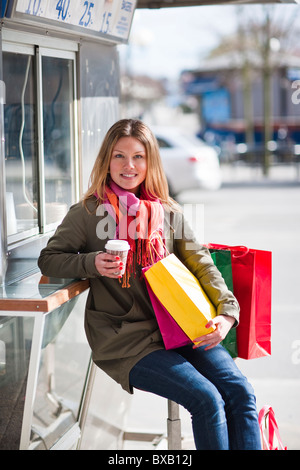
(242, 248)
(267, 413)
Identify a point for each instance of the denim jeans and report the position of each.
(211, 387)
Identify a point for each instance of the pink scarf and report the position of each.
(140, 221)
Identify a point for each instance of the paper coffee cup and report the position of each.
(118, 248)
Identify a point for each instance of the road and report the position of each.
(263, 214)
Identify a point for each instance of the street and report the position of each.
(262, 214)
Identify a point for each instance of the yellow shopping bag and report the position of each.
(182, 295)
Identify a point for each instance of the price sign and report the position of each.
(107, 17)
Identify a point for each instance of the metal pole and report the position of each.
(174, 426)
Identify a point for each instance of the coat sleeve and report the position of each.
(65, 256)
(198, 260)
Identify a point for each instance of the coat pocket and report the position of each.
(118, 336)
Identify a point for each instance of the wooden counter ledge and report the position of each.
(48, 303)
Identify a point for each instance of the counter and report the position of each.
(44, 362)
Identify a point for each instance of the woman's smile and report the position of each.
(126, 175)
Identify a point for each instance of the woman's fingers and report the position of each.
(222, 325)
(108, 265)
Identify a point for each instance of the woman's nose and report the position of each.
(129, 163)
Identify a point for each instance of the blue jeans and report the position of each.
(211, 387)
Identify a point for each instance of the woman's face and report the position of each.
(128, 164)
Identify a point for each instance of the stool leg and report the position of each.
(174, 426)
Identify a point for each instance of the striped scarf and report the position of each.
(140, 221)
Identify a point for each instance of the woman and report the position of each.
(128, 199)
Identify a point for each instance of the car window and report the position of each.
(163, 144)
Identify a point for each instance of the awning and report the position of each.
(189, 3)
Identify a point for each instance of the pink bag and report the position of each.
(269, 430)
(173, 336)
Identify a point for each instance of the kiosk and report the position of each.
(59, 94)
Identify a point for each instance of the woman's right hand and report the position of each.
(108, 265)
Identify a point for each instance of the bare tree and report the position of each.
(261, 30)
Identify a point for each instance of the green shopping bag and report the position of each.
(222, 259)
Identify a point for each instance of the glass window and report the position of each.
(65, 357)
(163, 143)
(15, 347)
(58, 99)
(20, 143)
(40, 145)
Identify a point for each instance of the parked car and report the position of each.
(188, 161)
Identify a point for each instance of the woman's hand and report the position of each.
(108, 265)
(222, 324)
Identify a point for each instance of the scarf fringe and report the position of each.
(149, 215)
(146, 254)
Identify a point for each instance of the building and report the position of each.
(230, 92)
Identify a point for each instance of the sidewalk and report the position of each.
(239, 173)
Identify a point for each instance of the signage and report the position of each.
(3, 5)
(110, 18)
(216, 106)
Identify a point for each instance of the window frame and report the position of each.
(38, 47)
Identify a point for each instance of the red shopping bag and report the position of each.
(252, 276)
(173, 336)
(269, 431)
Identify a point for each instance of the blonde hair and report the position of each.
(155, 182)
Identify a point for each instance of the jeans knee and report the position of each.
(244, 397)
(207, 403)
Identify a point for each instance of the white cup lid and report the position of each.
(117, 245)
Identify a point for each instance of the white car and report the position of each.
(189, 163)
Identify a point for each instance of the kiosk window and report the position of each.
(20, 143)
(39, 141)
(57, 79)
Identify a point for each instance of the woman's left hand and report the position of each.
(222, 324)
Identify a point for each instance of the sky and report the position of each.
(165, 41)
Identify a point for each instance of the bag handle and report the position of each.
(266, 418)
(245, 250)
(152, 247)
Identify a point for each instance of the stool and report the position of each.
(173, 426)
(173, 420)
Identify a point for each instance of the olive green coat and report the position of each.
(120, 323)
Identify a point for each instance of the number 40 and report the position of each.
(62, 7)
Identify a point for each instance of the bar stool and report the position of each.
(173, 426)
(173, 419)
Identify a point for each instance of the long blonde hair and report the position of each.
(155, 182)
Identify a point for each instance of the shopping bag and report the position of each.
(173, 336)
(182, 295)
(269, 431)
(222, 260)
(252, 277)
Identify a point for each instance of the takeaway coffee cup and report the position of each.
(118, 248)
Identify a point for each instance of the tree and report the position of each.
(261, 31)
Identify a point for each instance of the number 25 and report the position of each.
(87, 13)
